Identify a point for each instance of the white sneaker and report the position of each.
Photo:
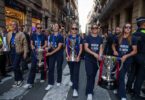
(70, 83)
(75, 93)
(115, 91)
(123, 99)
(90, 97)
(48, 87)
(15, 84)
(27, 86)
(58, 84)
(42, 81)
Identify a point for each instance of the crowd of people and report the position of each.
(23, 48)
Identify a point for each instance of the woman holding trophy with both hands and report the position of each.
(38, 45)
(73, 54)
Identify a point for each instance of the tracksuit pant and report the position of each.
(53, 60)
(74, 73)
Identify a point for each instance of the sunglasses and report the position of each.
(39, 27)
(94, 28)
(128, 27)
(74, 28)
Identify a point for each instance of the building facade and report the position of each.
(113, 13)
(31, 12)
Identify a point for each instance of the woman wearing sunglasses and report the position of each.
(74, 65)
(127, 47)
(93, 48)
(55, 56)
(37, 40)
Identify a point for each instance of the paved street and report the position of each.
(64, 92)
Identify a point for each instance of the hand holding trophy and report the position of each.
(72, 50)
(40, 57)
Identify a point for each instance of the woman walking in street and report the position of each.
(127, 47)
(94, 49)
(74, 41)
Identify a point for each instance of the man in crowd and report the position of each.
(140, 58)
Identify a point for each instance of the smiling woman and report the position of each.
(84, 8)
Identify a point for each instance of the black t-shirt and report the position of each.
(125, 47)
(94, 45)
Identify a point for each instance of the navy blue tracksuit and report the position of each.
(124, 48)
(55, 58)
(37, 41)
(91, 62)
(74, 66)
(16, 66)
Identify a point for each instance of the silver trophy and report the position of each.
(5, 45)
(40, 57)
(108, 78)
(39, 54)
(73, 54)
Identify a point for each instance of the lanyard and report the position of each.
(13, 39)
(53, 40)
(38, 42)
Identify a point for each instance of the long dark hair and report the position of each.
(122, 34)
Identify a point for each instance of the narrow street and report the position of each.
(39, 32)
(64, 92)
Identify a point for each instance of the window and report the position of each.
(129, 12)
(117, 17)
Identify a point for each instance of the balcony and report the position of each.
(106, 10)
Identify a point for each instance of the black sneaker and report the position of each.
(129, 91)
(143, 90)
(137, 97)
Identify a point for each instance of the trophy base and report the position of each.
(5, 50)
(109, 85)
(40, 64)
(72, 61)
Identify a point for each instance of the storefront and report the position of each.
(36, 18)
(14, 11)
(13, 15)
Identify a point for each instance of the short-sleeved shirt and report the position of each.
(78, 41)
(94, 44)
(125, 47)
(55, 40)
(38, 40)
